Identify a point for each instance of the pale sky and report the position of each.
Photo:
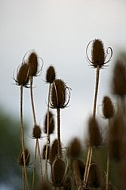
(59, 31)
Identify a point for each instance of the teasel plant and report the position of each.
(108, 113)
(60, 97)
(49, 120)
(98, 60)
(22, 80)
(33, 72)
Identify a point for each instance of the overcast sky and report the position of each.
(59, 31)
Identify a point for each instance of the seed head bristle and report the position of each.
(50, 74)
(23, 75)
(58, 94)
(44, 152)
(51, 123)
(33, 64)
(98, 54)
(36, 132)
(94, 179)
(58, 172)
(74, 148)
(119, 79)
(108, 109)
(27, 158)
(95, 138)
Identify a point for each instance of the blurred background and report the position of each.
(59, 32)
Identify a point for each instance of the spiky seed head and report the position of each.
(53, 151)
(74, 148)
(94, 179)
(107, 108)
(23, 75)
(58, 94)
(46, 148)
(33, 64)
(95, 138)
(49, 116)
(119, 79)
(98, 53)
(50, 74)
(58, 172)
(21, 159)
(36, 132)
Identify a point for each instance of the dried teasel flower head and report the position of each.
(49, 116)
(98, 56)
(59, 94)
(36, 132)
(33, 64)
(58, 172)
(21, 159)
(74, 148)
(119, 79)
(23, 75)
(95, 138)
(50, 74)
(107, 108)
(53, 151)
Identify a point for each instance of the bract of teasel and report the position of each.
(22, 75)
(59, 93)
(50, 74)
(98, 55)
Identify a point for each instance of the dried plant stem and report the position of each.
(34, 167)
(89, 154)
(48, 136)
(22, 137)
(58, 132)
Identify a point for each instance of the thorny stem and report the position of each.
(58, 132)
(32, 100)
(89, 155)
(22, 136)
(48, 136)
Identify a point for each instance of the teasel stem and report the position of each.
(58, 132)
(48, 136)
(22, 136)
(35, 123)
(96, 90)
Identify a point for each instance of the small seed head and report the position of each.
(108, 109)
(27, 158)
(50, 74)
(36, 132)
(23, 75)
(51, 123)
(53, 151)
(74, 149)
(98, 54)
(33, 64)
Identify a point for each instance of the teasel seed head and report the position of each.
(51, 123)
(74, 148)
(119, 79)
(37, 132)
(98, 56)
(95, 138)
(44, 152)
(94, 179)
(108, 108)
(58, 172)
(58, 94)
(23, 75)
(50, 74)
(33, 64)
(53, 151)
(27, 158)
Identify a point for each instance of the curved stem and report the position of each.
(22, 136)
